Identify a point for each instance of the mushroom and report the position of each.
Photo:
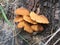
(35, 27)
(18, 19)
(29, 20)
(28, 28)
(39, 18)
(41, 28)
(20, 24)
(33, 16)
(25, 25)
(21, 11)
(42, 19)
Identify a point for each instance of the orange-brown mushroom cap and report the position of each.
(27, 28)
(18, 19)
(35, 27)
(39, 18)
(28, 19)
(42, 19)
(41, 28)
(20, 24)
(25, 25)
(33, 16)
(21, 11)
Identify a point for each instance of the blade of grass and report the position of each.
(4, 15)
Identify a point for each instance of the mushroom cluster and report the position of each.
(30, 21)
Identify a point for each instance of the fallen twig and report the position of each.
(56, 41)
(52, 37)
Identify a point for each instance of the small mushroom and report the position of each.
(35, 27)
(20, 24)
(41, 28)
(42, 19)
(39, 18)
(21, 11)
(33, 16)
(18, 19)
(27, 28)
(25, 25)
(29, 20)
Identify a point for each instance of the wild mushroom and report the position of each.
(20, 24)
(25, 25)
(27, 28)
(35, 27)
(33, 16)
(29, 20)
(42, 19)
(40, 28)
(18, 19)
(39, 18)
(21, 11)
